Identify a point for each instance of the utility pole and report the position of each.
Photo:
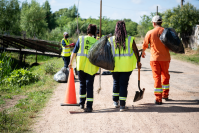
(157, 11)
(182, 2)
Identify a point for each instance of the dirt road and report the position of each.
(180, 115)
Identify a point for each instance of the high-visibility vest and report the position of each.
(83, 62)
(126, 61)
(65, 51)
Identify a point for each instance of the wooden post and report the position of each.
(36, 51)
(24, 47)
(100, 38)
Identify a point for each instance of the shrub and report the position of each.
(21, 77)
(50, 68)
(5, 65)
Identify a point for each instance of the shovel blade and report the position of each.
(138, 95)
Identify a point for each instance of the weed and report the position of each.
(50, 68)
(21, 77)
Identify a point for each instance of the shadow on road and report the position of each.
(173, 106)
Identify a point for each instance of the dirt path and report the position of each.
(181, 115)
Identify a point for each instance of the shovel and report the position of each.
(139, 94)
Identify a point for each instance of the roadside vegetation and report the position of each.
(25, 91)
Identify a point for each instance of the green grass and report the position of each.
(35, 96)
(191, 56)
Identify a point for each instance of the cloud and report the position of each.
(137, 1)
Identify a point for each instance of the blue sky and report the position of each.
(117, 9)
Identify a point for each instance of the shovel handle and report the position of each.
(139, 71)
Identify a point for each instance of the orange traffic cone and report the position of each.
(70, 95)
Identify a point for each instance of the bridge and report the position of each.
(25, 46)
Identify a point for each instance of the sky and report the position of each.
(117, 9)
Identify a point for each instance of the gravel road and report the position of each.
(180, 115)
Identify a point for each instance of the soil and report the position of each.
(178, 115)
(11, 102)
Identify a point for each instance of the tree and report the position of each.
(33, 19)
(10, 16)
(50, 18)
(182, 19)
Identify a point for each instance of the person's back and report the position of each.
(158, 50)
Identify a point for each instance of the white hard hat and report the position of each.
(156, 18)
(65, 33)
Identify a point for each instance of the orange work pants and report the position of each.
(161, 77)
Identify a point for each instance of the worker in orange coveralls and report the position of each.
(159, 60)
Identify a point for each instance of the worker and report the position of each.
(86, 70)
(159, 60)
(66, 51)
(126, 56)
(98, 36)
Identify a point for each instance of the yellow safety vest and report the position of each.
(126, 61)
(66, 52)
(83, 62)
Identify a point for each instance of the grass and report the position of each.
(30, 98)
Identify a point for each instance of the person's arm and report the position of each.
(135, 49)
(73, 55)
(145, 44)
(71, 60)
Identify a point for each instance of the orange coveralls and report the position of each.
(159, 61)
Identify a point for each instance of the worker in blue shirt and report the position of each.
(66, 51)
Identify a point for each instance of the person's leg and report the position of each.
(115, 76)
(89, 89)
(123, 82)
(156, 70)
(65, 62)
(82, 92)
(165, 78)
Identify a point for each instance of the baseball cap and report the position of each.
(65, 33)
(156, 19)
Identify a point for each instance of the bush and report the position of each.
(50, 68)
(5, 65)
(21, 77)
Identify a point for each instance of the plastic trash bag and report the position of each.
(100, 54)
(171, 40)
(62, 75)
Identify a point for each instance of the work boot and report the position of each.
(115, 103)
(88, 109)
(82, 106)
(158, 102)
(123, 108)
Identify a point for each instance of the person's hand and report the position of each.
(143, 54)
(139, 65)
(70, 66)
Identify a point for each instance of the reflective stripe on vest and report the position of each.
(65, 51)
(82, 48)
(90, 99)
(82, 96)
(113, 48)
(158, 90)
(126, 57)
(165, 86)
(115, 94)
(83, 62)
(122, 98)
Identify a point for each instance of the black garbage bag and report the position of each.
(171, 40)
(100, 54)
